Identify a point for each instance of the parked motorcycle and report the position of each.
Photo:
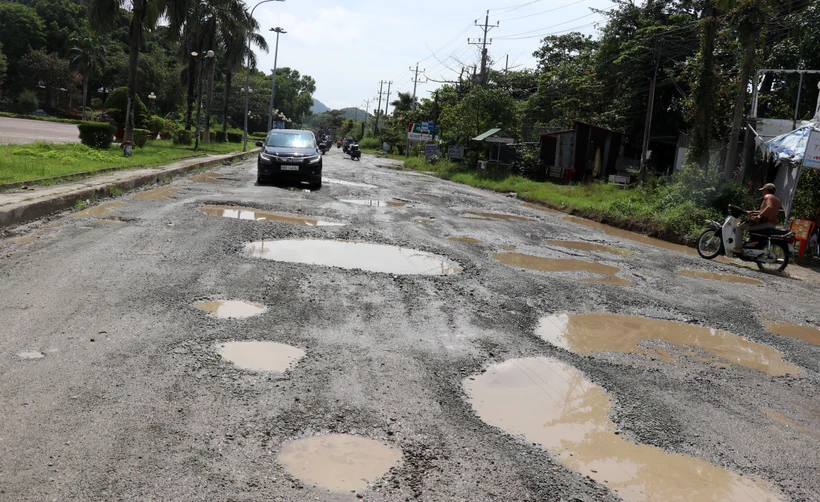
(353, 150)
(770, 249)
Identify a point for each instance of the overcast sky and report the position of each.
(348, 47)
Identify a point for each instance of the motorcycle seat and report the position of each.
(771, 232)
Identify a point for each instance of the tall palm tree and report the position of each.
(104, 15)
(85, 55)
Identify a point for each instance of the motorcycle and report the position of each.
(770, 248)
(339, 144)
(353, 151)
(345, 145)
(323, 147)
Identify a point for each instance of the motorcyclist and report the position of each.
(762, 219)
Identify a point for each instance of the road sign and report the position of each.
(421, 131)
(430, 150)
(811, 158)
(455, 152)
(278, 124)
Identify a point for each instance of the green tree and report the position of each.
(63, 19)
(480, 110)
(21, 30)
(3, 66)
(117, 104)
(54, 73)
(405, 103)
(85, 55)
(294, 94)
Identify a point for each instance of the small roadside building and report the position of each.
(584, 152)
(497, 139)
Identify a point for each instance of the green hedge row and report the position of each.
(97, 134)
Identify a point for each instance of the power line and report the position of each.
(543, 11)
(513, 36)
(504, 10)
(483, 43)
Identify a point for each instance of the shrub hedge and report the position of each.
(220, 137)
(141, 137)
(96, 134)
(183, 137)
(234, 137)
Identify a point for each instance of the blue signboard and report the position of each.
(278, 124)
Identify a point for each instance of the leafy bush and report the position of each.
(141, 137)
(183, 137)
(96, 134)
(370, 144)
(234, 137)
(155, 124)
(69, 153)
(117, 102)
(27, 102)
(220, 137)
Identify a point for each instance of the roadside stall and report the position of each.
(496, 139)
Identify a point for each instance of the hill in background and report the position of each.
(319, 108)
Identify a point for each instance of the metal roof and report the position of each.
(490, 133)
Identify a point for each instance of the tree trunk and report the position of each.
(226, 97)
(740, 103)
(191, 75)
(206, 134)
(85, 91)
(134, 36)
(702, 126)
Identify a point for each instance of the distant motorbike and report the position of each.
(345, 143)
(323, 147)
(339, 144)
(770, 249)
(353, 151)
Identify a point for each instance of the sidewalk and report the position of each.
(18, 206)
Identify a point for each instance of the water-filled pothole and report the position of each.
(104, 209)
(354, 255)
(554, 405)
(495, 216)
(469, 240)
(714, 276)
(334, 181)
(30, 354)
(632, 236)
(207, 177)
(165, 192)
(589, 246)
(261, 356)
(564, 265)
(540, 208)
(251, 214)
(374, 202)
(605, 332)
(805, 333)
(339, 462)
(231, 309)
(426, 221)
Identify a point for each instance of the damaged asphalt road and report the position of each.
(423, 376)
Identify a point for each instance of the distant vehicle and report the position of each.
(39, 113)
(289, 154)
(353, 150)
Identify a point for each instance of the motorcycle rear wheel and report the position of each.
(781, 250)
(709, 244)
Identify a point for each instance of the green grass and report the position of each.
(25, 163)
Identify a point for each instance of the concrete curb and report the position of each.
(21, 213)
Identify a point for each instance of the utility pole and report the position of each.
(366, 113)
(483, 42)
(648, 126)
(415, 83)
(278, 31)
(379, 108)
(507, 65)
(387, 101)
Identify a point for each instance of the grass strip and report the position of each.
(37, 162)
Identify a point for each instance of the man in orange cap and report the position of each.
(764, 218)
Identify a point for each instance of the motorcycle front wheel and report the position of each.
(781, 250)
(709, 244)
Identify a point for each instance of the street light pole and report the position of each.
(202, 59)
(151, 98)
(278, 31)
(248, 79)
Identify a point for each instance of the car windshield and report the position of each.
(280, 140)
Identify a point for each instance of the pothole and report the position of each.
(714, 276)
(508, 247)
(374, 202)
(564, 265)
(426, 221)
(30, 354)
(469, 240)
(553, 404)
(104, 209)
(165, 192)
(495, 216)
(231, 309)
(605, 332)
(540, 208)
(805, 333)
(334, 181)
(339, 462)
(354, 255)
(631, 236)
(261, 356)
(589, 246)
(207, 177)
(251, 214)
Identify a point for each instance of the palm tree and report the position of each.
(85, 55)
(104, 15)
(405, 103)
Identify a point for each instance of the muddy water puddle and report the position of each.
(714, 276)
(553, 404)
(251, 214)
(231, 309)
(339, 462)
(165, 192)
(540, 208)
(805, 333)
(334, 181)
(30, 355)
(479, 215)
(426, 221)
(606, 272)
(375, 203)
(207, 177)
(605, 332)
(105, 209)
(791, 424)
(468, 240)
(589, 246)
(354, 255)
(632, 236)
(261, 356)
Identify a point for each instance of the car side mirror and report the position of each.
(259, 144)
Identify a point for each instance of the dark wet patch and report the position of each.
(605, 332)
(354, 255)
(339, 462)
(495, 216)
(261, 356)
(564, 265)
(554, 405)
(231, 309)
(251, 214)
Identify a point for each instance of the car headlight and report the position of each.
(265, 156)
(315, 160)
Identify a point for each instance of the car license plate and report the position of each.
(290, 168)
